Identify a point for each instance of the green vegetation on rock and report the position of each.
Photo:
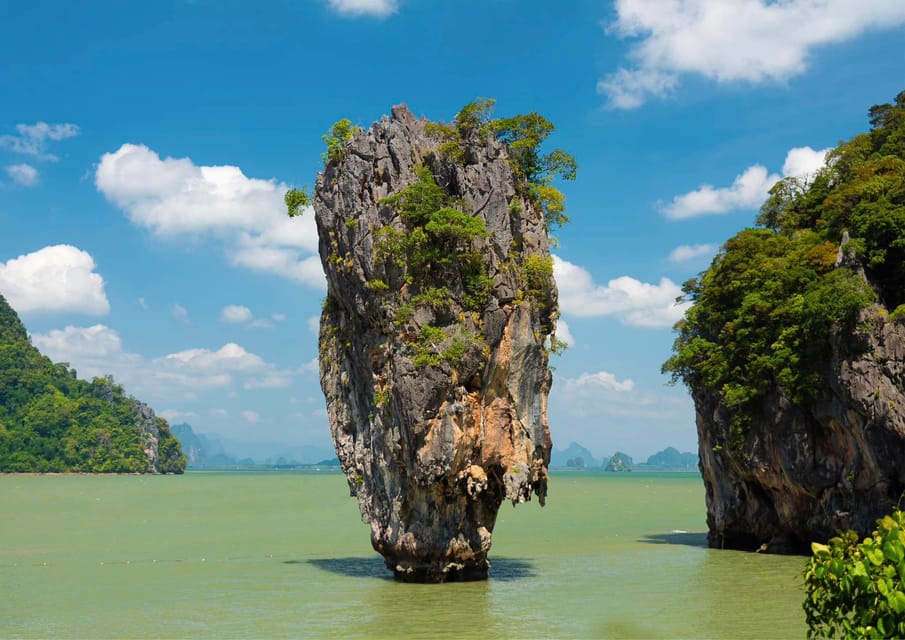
(50, 421)
(856, 589)
(523, 135)
(763, 311)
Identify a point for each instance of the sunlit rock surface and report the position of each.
(431, 452)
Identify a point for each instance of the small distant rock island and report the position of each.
(794, 353)
(437, 326)
(619, 462)
(53, 422)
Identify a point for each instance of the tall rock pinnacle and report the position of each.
(440, 301)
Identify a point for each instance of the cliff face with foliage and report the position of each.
(50, 421)
(794, 353)
(432, 340)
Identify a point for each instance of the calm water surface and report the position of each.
(230, 555)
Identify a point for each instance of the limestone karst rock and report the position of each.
(812, 469)
(794, 353)
(432, 341)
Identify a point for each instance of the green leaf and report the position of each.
(897, 601)
(875, 556)
(894, 551)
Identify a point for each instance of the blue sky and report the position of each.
(144, 150)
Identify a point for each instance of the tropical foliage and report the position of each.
(763, 311)
(857, 589)
(524, 135)
(52, 421)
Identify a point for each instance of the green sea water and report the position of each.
(246, 555)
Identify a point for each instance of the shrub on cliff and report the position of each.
(763, 309)
(857, 590)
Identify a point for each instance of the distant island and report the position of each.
(207, 452)
(578, 457)
(52, 422)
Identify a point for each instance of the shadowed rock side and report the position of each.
(433, 430)
(813, 469)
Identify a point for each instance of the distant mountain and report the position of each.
(671, 459)
(619, 462)
(206, 451)
(574, 456)
(202, 451)
(51, 421)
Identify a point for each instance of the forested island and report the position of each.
(793, 352)
(51, 421)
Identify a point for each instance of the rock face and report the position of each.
(433, 430)
(810, 471)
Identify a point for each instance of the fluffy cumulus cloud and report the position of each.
(174, 197)
(32, 139)
(749, 190)
(635, 303)
(55, 279)
(23, 174)
(236, 314)
(687, 252)
(599, 380)
(378, 8)
(751, 41)
(98, 350)
(229, 357)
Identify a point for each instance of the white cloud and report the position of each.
(599, 380)
(273, 380)
(378, 8)
(749, 190)
(563, 333)
(229, 357)
(752, 41)
(804, 162)
(313, 366)
(32, 138)
(98, 351)
(173, 197)
(686, 252)
(251, 417)
(55, 279)
(143, 304)
(180, 313)
(314, 324)
(278, 317)
(219, 413)
(635, 303)
(23, 174)
(98, 341)
(236, 314)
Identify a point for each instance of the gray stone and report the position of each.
(431, 452)
(809, 470)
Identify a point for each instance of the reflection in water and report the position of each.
(676, 537)
(503, 569)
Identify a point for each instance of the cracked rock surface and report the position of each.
(811, 470)
(432, 450)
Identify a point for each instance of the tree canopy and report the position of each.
(52, 421)
(763, 310)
